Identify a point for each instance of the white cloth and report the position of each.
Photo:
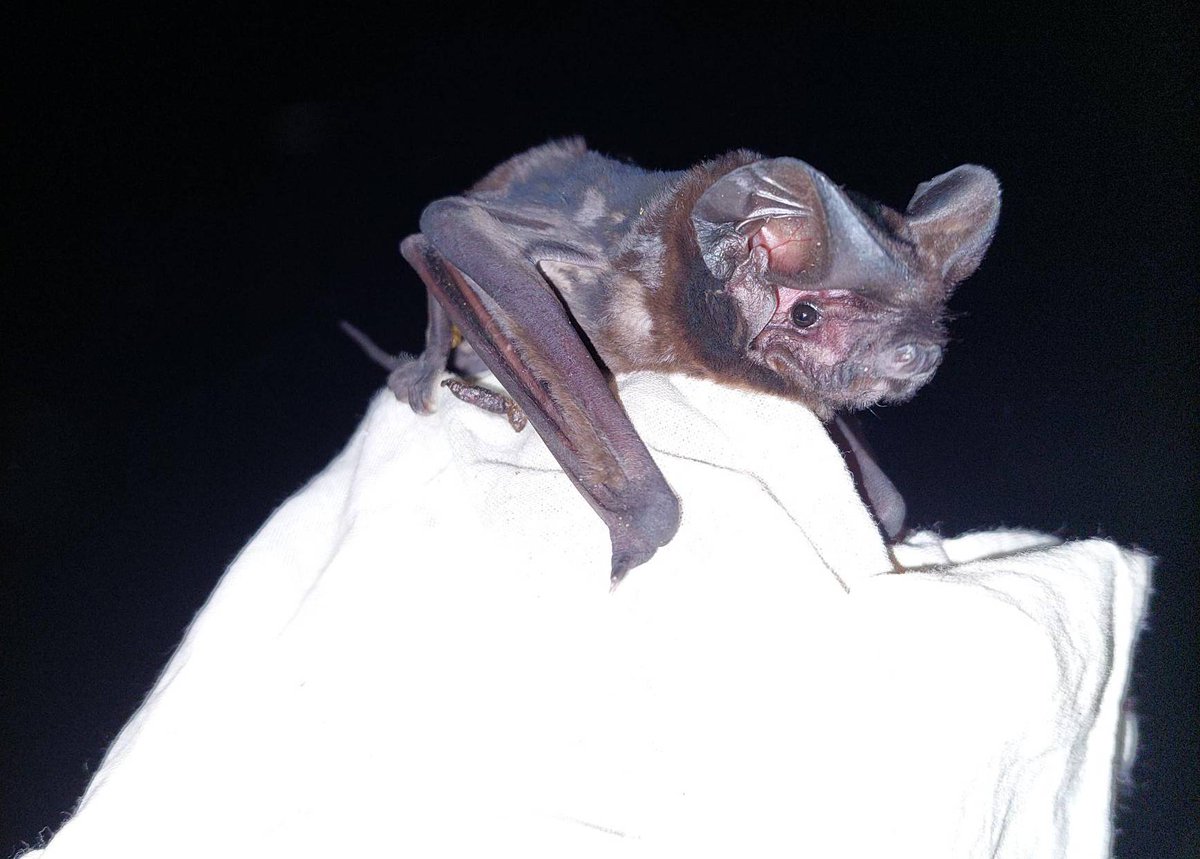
(418, 655)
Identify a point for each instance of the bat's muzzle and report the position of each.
(912, 360)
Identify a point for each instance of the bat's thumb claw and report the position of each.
(625, 559)
(622, 564)
(637, 536)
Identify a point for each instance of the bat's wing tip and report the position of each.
(623, 562)
(637, 537)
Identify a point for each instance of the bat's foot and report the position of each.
(415, 380)
(489, 401)
(412, 380)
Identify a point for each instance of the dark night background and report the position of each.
(194, 202)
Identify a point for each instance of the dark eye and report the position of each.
(804, 315)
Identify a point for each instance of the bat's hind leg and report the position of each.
(414, 379)
(441, 339)
(418, 379)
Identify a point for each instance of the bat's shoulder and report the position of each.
(568, 164)
(564, 171)
(556, 157)
(567, 188)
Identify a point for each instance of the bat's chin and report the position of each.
(888, 391)
(866, 391)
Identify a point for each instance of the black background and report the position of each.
(194, 202)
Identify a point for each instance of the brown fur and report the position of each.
(656, 260)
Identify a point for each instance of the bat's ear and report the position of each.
(773, 203)
(952, 218)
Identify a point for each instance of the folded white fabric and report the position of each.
(418, 655)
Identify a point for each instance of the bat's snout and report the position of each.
(898, 373)
(913, 360)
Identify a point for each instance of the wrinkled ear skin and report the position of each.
(952, 218)
(738, 204)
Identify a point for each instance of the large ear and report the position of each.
(774, 203)
(952, 218)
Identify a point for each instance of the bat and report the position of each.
(563, 267)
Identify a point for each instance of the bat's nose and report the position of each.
(914, 359)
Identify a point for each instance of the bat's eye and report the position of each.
(805, 315)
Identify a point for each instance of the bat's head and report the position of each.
(843, 299)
